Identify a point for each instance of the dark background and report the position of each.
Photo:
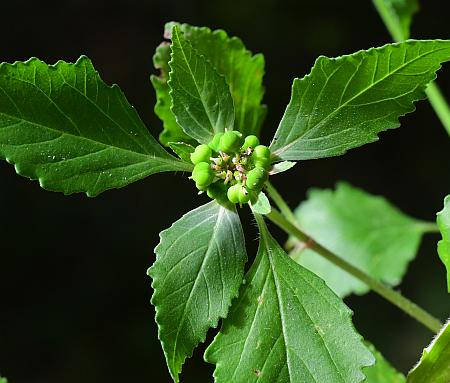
(74, 295)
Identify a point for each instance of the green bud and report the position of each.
(202, 153)
(229, 142)
(250, 141)
(214, 143)
(256, 178)
(233, 193)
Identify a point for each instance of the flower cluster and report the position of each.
(231, 167)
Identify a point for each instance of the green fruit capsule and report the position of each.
(201, 167)
(214, 143)
(202, 153)
(244, 195)
(233, 193)
(216, 191)
(203, 175)
(256, 178)
(250, 142)
(229, 142)
(263, 163)
(200, 187)
(261, 151)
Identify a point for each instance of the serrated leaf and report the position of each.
(286, 326)
(201, 98)
(281, 167)
(434, 366)
(381, 371)
(172, 132)
(443, 221)
(242, 70)
(345, 102)
(65, 127)
(365, 230)
(397, 14)
(182, 150)
(198, 270)
(262, 205)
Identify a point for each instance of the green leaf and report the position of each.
(345, 102)
(434, 366)
(281, 167)
(182, 150)
(397, 15)
(365, 230)
(65, 127)
(382, 371)
(172, 132)
(201, 98)
(443, 221)
(3, 380)
(262, 205)
(198, 270)
(286, 326)
(243, 72)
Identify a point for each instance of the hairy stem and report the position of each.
(435, 96)
(383, 290)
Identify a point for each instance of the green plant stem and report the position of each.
(392, 24)
(429, 227)
(280, 202)
(435, 96)
(439, 104)
(383, 290)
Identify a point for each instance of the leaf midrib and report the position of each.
(200, 272)
(325, 119)
(149, 157)
(193, 77)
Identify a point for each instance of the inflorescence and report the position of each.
(231, 167)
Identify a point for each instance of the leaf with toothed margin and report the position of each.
(381, 371)
(201, 98)
(243, 72)
(443, 221)
(346, 101)
(434, 365)
(172, 132)
(364, 229)
(198, 270)
(286, 326)
(64, 126)
(182, 150)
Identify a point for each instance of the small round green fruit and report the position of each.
(202, 153)
(261, 151)
(256, 178)
(233, 193)
(214, 143)
(250, 142)
(229, 142)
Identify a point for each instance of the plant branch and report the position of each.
(435, 96)
(280, 202)
(380, 288)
